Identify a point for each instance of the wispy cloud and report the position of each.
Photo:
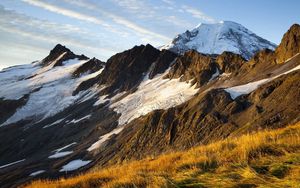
(12, 18)
(178, 22)
(72, 14)
(198, 14)
(169, 2)
(57, 39)
(137, 7)
(164, 15)
(139, 30)
(45, 34)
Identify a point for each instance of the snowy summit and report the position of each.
(219, 37)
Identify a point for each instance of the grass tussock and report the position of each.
(263, 159)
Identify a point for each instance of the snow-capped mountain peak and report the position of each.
(219, 37)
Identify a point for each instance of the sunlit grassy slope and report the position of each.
(264, 159)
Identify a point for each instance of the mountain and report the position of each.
(219, 37)
(69, 113)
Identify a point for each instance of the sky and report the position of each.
(29, 29)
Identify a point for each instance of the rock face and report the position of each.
(60, 54)
(220, 37)
(229, 62)
(193, 66)
(125, 70)
(162, 63)
(9, 107)
(290, 44)
(200, 68)
(93, 65)
(141, 102)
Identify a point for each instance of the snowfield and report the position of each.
(152, 94)
(237, 91)
(50, 89)
(74, 165)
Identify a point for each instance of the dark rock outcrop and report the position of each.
(93, 65)
(9, 107)
(57, 51)
(125, 70)
(290, 44)
(229, 62)
(193, 66)
(162, 63)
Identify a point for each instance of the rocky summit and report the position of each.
(69, 113)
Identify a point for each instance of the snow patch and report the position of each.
(60, 154)
(101, 100)
(54, 123)
(64, 147)
(74, 165)
(225, 74)
(10, 164)
(104, 138)
(245, 89)
(37, 173)
(79, 120)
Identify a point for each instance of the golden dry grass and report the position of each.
(263, 159)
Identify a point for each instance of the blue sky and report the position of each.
(29, 29)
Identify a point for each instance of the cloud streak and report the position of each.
(23, 25)
(58, 39)
(72, 14)
(120, 20)
(198, 14)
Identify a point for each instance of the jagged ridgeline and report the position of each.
(69, 113)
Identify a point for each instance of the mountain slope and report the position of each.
(220, 37)
(267, 158)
